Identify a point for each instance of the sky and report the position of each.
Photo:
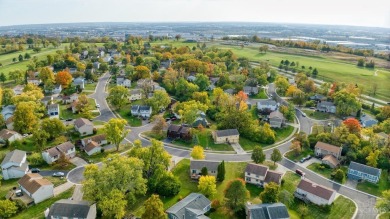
(375, 13)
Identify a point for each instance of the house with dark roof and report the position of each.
(226, 136)
(276, 119)
(8, 111)
(317, 97)
(267, 105)
(179, 132)
(71, 209)
(267, 211)
(309, 191)
(53, 154)
(83, 126)
(368, 121)
(200, 120)
(261, 175)
(36, 187)
(14, 165)
(196, 167)
(93, 144)
(229, 91)
(9, 135)
(194, 206)
(326, 107)
(359, 171)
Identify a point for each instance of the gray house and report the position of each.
(267, 211)
(79, 82)
(359, 171)
(194, 206)
(251, 90)
(268, 104)
(197, 165)
(326, 107)
(368, 121)
(276, 119)
(66, 208)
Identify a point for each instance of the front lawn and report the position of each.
(126, 114)
(98, 157)
(375, 189)
(317, 129)
(90, 86)
(7, 185)
(385, 216)
(249, 145)
(56, 180)
(205, 140)
(283, 133)
(316, 114)
(159, 137)
(326, 171)
(296, 157)
(260, 95)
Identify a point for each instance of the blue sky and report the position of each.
(344, 12)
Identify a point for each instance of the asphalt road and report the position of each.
(365, 203)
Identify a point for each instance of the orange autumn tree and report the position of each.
(353, 125)
(241, 96)
(64, 78)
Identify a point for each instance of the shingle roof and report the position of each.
(256, 169)
(134, 108)
(325, 103)
(331, 159)
(365, 169)
(145, 108)
(15, 156)
(81, 122)
(199, 164)
(268, 211)
(32, 182)
(66, 208)
(95, 138)
(226, 132)
(6, 134)
(192, 201)
(267, 102)
(64, 147)
(53, 106)
(90, 146)
(315, 189)
(276, 114)
(328, 147)
(174, 128)
(273, 176)
(135, 92)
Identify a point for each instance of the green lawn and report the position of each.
(88, 86)
(125, 113)
(98, 157)
(248, 145)
(325, 171)
(316, 115)
(296, 157)
(283, 133)
(56, 180)
(7, 185)
(375, 189)
(260, 95)
(159, 137)
(66, 110)
(205, 140)
(317, 129)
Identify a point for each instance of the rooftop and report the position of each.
(32, 182)
(15, 156)
(226, 132)
(328, 147)
(256, 169)
(315, 189)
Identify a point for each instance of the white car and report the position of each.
(58, 174)
(97, 105)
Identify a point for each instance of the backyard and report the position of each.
(125, 113)
(375, 189)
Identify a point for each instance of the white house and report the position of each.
(36, 187)
(53, 110)
(135, 94)
(83, 126)
(70, 99)
(267, 105)
(317, 194)
(248, 90)
(79, 82)
(141, 111)
(53, 154)
(56, 90)
(34, 79)
(14, 165)
(276, 119)
(47, 100)
(18, 89)
(9, 135)
(92, 145)
(127, 83)
(261, 175)
(71, 209)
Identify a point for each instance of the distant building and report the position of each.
(229, 91)
(359, 171)
(79, 82)
(33, 78)
(312, 192)
(14, 164)
(70, 99)
(326, 107)
(71, 209)
(8, 111)
(368, 121)
(196, 167)
(267, 211)
(135, 94)
(53, 110)
(322, 149)
(96, 65)
(226, 136)
(194, 206)
(318, 97)
(51, 155)
(251, 90)
(36, 187)
(200, 120)
(267, 105)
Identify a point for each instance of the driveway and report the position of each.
(62, 188)
(50, 172)
(311, 161)
(78, 161)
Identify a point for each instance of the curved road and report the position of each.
(365, 202)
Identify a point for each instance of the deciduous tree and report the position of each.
(54, 127)
(7, 208)
(221, 172)
(270, 193)
(113, 204)
(236, 194)
(296, 147)
(258, 155)
(64, 78)
(154, 208)
(25, 119)
(276, 155)
(353, 125)
(46, 75)
(117, 96)
(116, 131)
(197, 153)
(372, 158)
(160, 100)
(207, 185)
(383, 204)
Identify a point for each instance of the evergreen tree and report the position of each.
(3, 78)
(204, 171)
(221, 171)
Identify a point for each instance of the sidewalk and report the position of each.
(62, 188)
(78, 193)
(237, 148)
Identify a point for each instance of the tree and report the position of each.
(16, 75)
(159, 124)
(353, 125)
(169, 185)
(154, 208)
(82, 104)
(7, 208)
(3, 78)
(20, 58)
(8, 94)
(221, 172)
(372, 158)
(315, 72)
(346, 103)
(296, 147)
(54, 127)
(282, 84)
(197, 153)
(141, 72)
(160, 100)
(25, 119)
(116, 131)
(177, 37)
(276, 155)
(236, 194)
(202, 81)
(201, 97)
(204, 171)
(39, 138)
(258, 155)
(189, 110)
(382, 204)
(47, 76)
(339, 175)
(286, 197)
(113, 205)
(360, 63)
(384, 113)
(303, 210)
(185, 89)
(64, 78)
(270, 193)
(117, 96)
(208, 185)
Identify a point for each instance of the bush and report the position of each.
(102, 150)
(310, 103)
(168, 186)
(35, 159)
(215, 204)
(338, 175)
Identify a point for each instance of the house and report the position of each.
(107, 58)
(261, 175)
(179, 132)
(226, 136)
(47, 100)
(53, 154)
(18, 89)
(267, 211)
(92, 145)
(79, 82)
(56, 90)
(311, 192)
(331, 161)
(8, 111)
(317, 97)
(96, 65)
(291, 81)
(127, 83)
(194, 206)
(71, 209)
(141, 111)
(83, 126)
(36, 187)
(120, 79)
(70, 99)
(14, 164)
(33, 78)
(368, 121)
(276, 119)
(53, 110)
(359, 171)
(166, 64)
(9, 135)
(196, 167)
(383, 139)
(191, 78)
(321, 149)
(229, 91)
(267, 105)
(251, 90)
(135, 94)
(200, 120)
(326, 107)
(10, 123)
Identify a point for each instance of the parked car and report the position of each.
(35, 170)
(97, 105)
(18, 193)
(173, 119)
(302, 160)
(58, 174)
(299, 172)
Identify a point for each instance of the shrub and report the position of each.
(169, 186)
(102, 150)
(35, 159)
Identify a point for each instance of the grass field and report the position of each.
(296, 157)
(316, 115)
(325, 172)
(205, 140)
(375, 189)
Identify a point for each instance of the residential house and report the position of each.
(226, 136)
(47, 100)
(330, 154)
(317, 97)
(367, 121)
(331, 161)
(71, 209)
(93, 144)
(70, 99)
(141, 111)
(107, 58)
(166, 64)
(96, 65)
(251, 90)
(83, 126)
(191, 78)
(291, 81)
(51, 155)
(8, 111)
(267, 105)
(383, 139)
(135, 94)
(229, 91)
(261, 175)
(33, 78)
(311, 192)
(10, 123)
(9, 135)
(326, 107)
(79, 82)
(14, 164)
(196, 167)
(127, 83)
(36, 187)
(179, 132)
(267, 211)
(276, 119)
(56, 90)
(359, 171)
(72, 70)
(200, 120)
(18, 89)
(53, 110)
(119, 80)
(194, 206)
